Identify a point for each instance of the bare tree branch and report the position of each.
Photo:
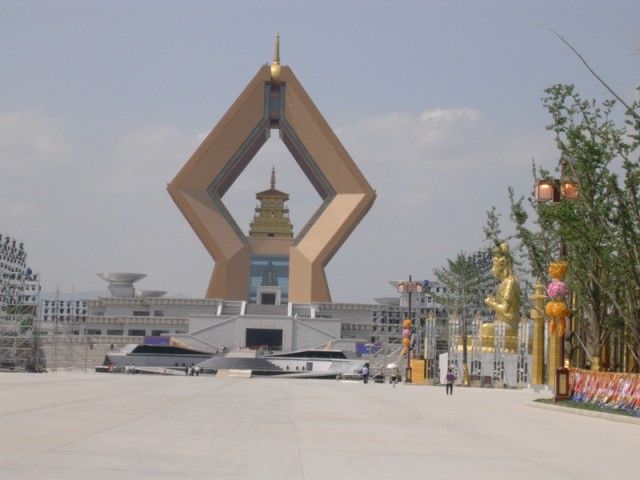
(630, 110)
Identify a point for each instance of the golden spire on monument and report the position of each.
(275, 65)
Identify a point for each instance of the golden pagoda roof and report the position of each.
(273, 191)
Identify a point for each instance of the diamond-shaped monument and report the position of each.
(273, 100)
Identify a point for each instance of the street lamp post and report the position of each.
(409, 287)
(553, 191)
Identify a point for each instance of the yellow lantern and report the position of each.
(558, 269)
(556, 310)
(407, 323)
(406, 342)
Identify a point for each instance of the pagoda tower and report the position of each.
(271, 218)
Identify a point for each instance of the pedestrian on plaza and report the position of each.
(365, 373)
(393, 373)
(450, 379)
(186, 370)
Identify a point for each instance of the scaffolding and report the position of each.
(475, 369)
(388, 343)
(499, 351)
(524, 358)
(18, 304)
(18, 339)
(454, 341)
(430, 345)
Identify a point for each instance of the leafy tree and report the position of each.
(463, 280)
(601, 230)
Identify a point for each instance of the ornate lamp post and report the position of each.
(409, 287)
(553, 191)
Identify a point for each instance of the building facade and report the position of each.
(62, 310)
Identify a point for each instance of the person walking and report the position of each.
(365, 373)
(394, 374)
(450, 379)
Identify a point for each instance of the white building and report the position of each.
(63, 308)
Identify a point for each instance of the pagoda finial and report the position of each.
(275, 65)
(276, 55)
(273, 177)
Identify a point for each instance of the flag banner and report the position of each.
(618, 391)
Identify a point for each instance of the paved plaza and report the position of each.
(101, 426)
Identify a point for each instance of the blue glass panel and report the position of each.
(269, 270)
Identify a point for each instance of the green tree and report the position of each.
(463, 280)
(601, 230)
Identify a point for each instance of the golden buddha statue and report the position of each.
(506, 301)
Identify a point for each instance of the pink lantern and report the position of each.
(557, 288)
(406, 333)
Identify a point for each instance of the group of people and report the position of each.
(395, 377)
(192, 371)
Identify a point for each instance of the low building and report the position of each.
(63, 309)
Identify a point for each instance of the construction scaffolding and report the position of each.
(430, 345)
(19, 296)
(388, 344)
(475, 365)
(524, 358)
(454, 342)
(499, 351)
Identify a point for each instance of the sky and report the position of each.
(438, 103)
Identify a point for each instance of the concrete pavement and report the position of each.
(103, 426)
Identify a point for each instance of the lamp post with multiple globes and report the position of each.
(553, 191)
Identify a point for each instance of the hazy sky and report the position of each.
(101, 103)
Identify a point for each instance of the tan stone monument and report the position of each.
(273, 100)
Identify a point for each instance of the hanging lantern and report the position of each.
(406, 342)
(545, 190)
(407, 323)
(406, 333)
(558, 269)
(557, 288)
(556, 309)
(568, 183)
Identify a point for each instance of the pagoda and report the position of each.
(271, 217)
